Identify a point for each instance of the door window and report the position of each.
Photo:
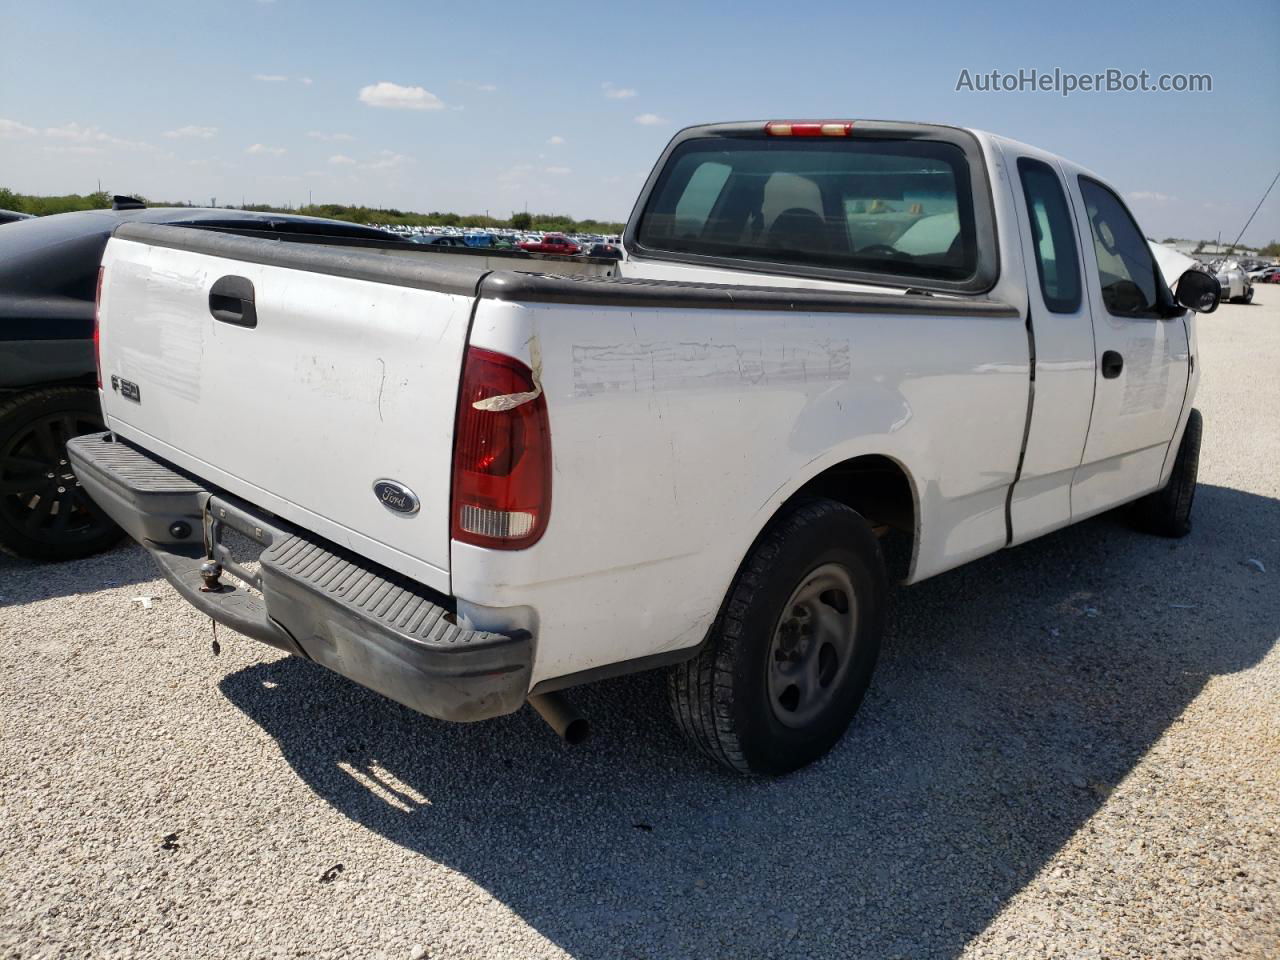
(1126, 269)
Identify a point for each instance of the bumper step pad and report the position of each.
(381, 629)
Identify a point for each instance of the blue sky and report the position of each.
(495, 105)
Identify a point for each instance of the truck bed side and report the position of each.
(683, 415)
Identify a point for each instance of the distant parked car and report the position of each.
(10, 216)
(1263, 270)
(1236, 285)
(48, 385)
(553, 243)
(1267, 275)
(441, 240)
(608, 251)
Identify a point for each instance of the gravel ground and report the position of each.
(1071, 749)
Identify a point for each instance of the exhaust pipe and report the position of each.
(562, 717)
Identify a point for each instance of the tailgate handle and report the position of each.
(231, 301)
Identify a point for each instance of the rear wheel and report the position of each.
(788, 660)
(1167, 512)
(44, 512)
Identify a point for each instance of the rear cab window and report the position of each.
(912, 210)
(1053, 236)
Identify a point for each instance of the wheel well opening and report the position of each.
(879, 489)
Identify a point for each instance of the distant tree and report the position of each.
(353, 213)
(1169, 240)
(1272, 249)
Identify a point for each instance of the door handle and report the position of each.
(231, 301)
(1112, 364)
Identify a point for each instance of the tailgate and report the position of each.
(343, 374)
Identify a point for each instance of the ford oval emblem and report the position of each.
(396, 497)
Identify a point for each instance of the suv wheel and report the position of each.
(44, 512)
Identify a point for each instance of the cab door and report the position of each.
(1141, 355)
(1063, 380)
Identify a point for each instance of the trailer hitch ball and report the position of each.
(210, 571)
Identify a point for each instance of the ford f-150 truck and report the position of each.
(835, 355)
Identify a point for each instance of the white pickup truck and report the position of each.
(836, 354)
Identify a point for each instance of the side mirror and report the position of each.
(1198, 291)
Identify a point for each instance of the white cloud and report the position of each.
(339, 160)
(617, 93)
(270, 77)
(73, 149)
(395, 97)
(199, 133)
(1149, 196)
(305, 81)
(92, 135)
(557, 171)
(73, 131)
(329, 137)
(12, 129)
(650, 120)
(261, 149)
(388, 160)
(488, 88)
(556, 140)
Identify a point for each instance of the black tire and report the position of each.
(723, 700)
(1167, 512)
(44, 512)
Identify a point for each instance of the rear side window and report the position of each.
(898, 207)
(1052, 234)
(1126, 269)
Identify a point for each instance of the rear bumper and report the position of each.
(313, 598)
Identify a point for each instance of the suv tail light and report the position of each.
(97, 324)
(501, 455)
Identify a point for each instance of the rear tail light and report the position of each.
(782, 128)
(502, 454)
(97, 327)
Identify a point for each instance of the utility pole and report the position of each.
(1255, 210)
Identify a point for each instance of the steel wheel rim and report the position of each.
(813, 646)
(39, 493)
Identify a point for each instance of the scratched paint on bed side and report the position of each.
(690, 364)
